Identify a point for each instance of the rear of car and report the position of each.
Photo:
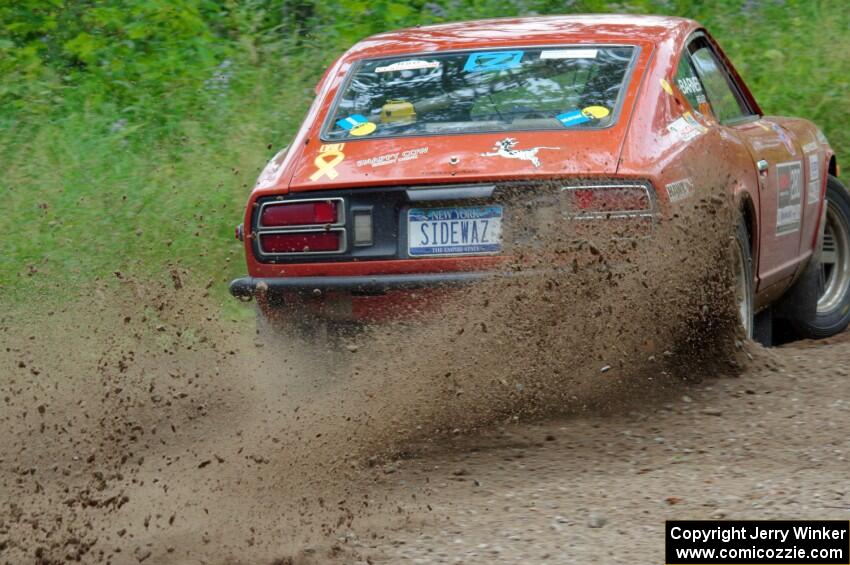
(411, 174)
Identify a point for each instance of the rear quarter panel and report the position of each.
(815, 154)
(684, 170)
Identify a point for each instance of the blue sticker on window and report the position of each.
(493, 61)
(578, 117)
(572, 118)
(352, 121)
(357, 124)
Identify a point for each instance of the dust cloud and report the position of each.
(142, 425)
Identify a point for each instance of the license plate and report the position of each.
(454, 231)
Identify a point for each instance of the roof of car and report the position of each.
(531, 30)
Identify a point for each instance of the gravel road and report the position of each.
(149, 430)
(770, 444)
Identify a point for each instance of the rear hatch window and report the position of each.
(574, 87)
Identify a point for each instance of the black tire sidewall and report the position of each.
(742, 240)
(827, 324)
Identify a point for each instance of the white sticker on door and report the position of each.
(789, 197)
(680, 189)
(813, 190)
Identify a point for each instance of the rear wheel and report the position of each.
(742, 266)
(834, 268)
(824, 288)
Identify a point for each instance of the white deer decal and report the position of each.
(505, 148)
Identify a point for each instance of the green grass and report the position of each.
(85, 194)
(86, 198)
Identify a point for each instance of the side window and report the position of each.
(689, 84)
(723, 97)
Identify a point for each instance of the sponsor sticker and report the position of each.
(789, 207)
(357, 124)
(407, 66)
(683, 129)
(813, 189)
(680, 189)
(689, 85)
(393, 158)
(597, 112)
(693, 122)
(576, 117)
(326, 161)
(493, 61)
(569, 54)
(572, 118)
(810, 147)
(507, 148)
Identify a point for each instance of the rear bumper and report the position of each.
(247, 287)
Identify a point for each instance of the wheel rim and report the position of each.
(835, 261)
(743, 297)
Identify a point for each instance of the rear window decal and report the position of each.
(789, 180)
(572, 118)
(578, 117)
(357, 124)
(471, 92)
(407, 66)
(506, 148)
(493, 61)
(569, 54)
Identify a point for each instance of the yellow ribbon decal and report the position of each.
(666, 86)
(329, 157)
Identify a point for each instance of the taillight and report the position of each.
(305, 242)
(608, 199)
(314, 225)
(314, 212)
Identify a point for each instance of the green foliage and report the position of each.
(131, 130)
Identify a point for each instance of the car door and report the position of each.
(777, 160)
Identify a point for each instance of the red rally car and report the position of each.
(389, 186)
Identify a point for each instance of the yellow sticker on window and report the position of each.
(597, 112)
(363, 129)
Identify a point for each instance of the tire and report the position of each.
(742, 270)
(823, 290)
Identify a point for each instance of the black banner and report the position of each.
(757, 542)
